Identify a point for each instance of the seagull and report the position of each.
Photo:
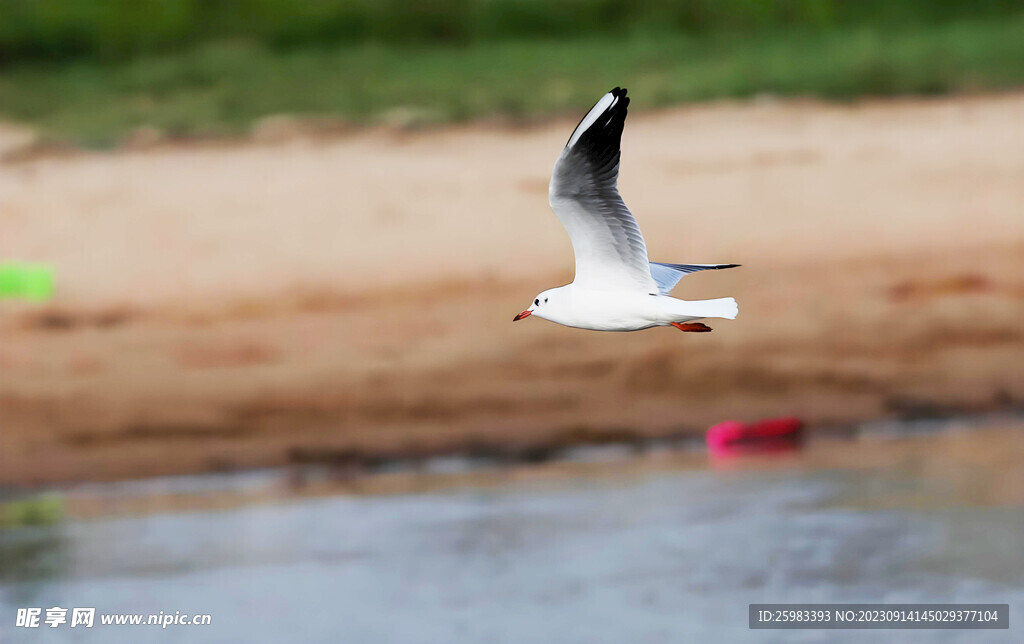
(616, 287)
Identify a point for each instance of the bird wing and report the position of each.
(609, 248)
(668, 275)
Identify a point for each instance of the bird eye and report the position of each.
(536, 302)
(545, 300)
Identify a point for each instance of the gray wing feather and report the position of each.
(609, 247)
(668, 275)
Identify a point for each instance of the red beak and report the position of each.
(524, 314)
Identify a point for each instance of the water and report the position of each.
(649, 551)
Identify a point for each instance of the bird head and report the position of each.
(540, 305)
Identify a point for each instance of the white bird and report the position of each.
(616, 287)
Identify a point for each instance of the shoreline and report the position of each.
(885, 446)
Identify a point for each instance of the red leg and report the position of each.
(692, 327)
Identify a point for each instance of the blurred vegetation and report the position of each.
(121, 29)
(91, 70)
(44, 509)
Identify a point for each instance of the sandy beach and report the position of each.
(239, 304)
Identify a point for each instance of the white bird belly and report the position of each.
(616, 311)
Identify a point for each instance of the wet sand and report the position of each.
(235, 305)
(953, 464)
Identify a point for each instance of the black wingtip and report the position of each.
(719, 267)
(620, 93)
(612, 118)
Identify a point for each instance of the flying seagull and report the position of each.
(616, 287)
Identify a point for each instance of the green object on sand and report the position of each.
(26, 281)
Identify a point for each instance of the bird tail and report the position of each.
(723, 307)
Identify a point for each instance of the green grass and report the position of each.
(220, 88)
(117, 30)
